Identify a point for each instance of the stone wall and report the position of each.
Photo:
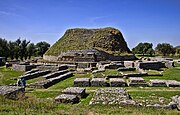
(12, 92)
(50, 58)
(23, 67)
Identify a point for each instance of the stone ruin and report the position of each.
(12, 92)
(117, 82)
(96, 82)
(137, 81)
(71, 95)
(111, 96)
(82, 82)
(157, 83)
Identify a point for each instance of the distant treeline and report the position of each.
(164, 49)
(22, 49)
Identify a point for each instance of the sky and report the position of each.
(155, 21)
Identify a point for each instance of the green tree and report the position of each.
(17, 48)
(31, 50)
(143, 48)
(164, 49)
(11, 47)
(23, 49)
(4, 52)
(42, 47)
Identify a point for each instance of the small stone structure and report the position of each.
(117, 82)
(35, 74)
(111, 96)
(55, 74)
(172, 83)
(98, 82)
(31, 71)
(80, 92)
(113, 65)
(153, 65)
(49, 82)
(137, 81)
(126, 69)
(12, 92)
(157, 83)
(82, 82)
(52, 67)
(23, 67)
(129, 64)
(67, 98)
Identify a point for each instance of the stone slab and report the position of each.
(111, 96)
(66, 98)
(157, 83)
(98, 82)
(12, 92)
(80, 92)
(117, 82)
(82, 82)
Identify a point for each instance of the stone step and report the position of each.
(35, 74)
(49, 82)
(67, 98)
(55, 74)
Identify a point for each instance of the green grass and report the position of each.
(169, 74)
(41, 101)
(6, 74)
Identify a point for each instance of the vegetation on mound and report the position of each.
(106, 39)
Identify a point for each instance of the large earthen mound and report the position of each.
(104, 39)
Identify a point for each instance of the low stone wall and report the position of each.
(12, 92)
(137, 81)
(31, 71)
(66, 98)
(153, 65)
(157, 83)
(52, 67)
(80, 92)
(55, 74)
(111, 96)
(23, 67)
(98, 82)
(50, 58)
(82, 82)
(49, 82)
(117, 82)
(35, 74)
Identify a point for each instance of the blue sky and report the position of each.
(153, 21)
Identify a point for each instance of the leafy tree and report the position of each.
(17, 48)
(31, 50)
(41, 48)
(164, 48)
(4, 48)
(143, 48)
(23, 49)
(11, 47)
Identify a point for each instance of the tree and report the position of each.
(164, 48)
(42, 47)
(17, 48)
(11, 47)
(4, 48)
(30, 50)
(150, 52)
(143, 48)
(23, 49)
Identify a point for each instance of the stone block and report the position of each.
(55, 74)
(172, 83)
(111, 96)
(137, 81)
(157, 83)
(12, 92)
(67, 98)
(80, 92)
(82, 82)
(98, 82)
(117, 82)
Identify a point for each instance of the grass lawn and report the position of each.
(7, 74)
(41, 101)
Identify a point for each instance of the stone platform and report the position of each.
(12, 92)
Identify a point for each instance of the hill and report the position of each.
(105, 39)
